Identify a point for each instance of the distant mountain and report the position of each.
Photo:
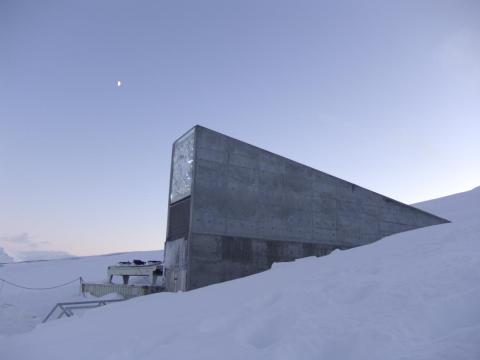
(4, 257)
(41, 255)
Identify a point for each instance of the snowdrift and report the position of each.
(413, 295)
(21, 310)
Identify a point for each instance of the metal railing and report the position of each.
(66, 308)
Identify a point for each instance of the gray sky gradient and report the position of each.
(385, 94)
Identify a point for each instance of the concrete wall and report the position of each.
(251, 208)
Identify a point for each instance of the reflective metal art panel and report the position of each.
(183, 154)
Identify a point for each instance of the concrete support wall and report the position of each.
(217, 258)
(250, 208)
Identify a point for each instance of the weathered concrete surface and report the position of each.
(216, 258)
(250, 207)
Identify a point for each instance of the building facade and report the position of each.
(234, 209)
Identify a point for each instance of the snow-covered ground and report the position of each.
(21, 309)
(414, 295)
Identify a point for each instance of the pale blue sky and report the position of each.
(385, 94)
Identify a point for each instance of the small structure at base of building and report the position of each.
(151, 269)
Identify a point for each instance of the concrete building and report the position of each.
(234, 209)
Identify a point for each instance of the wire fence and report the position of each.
(4, 281)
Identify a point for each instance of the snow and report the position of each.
(21, 310)
(22, 247)
(413, 295)
(5, 258)
(35, 255)
(462, 207)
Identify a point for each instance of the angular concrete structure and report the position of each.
(234, 209)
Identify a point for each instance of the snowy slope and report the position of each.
(21, 310)
(413, 295)
(464, 207)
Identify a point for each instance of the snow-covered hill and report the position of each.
(4, 257)
(21, 310)
(462, 207)
(37, 255)
(413, 295)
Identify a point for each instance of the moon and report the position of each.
(119, 83)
